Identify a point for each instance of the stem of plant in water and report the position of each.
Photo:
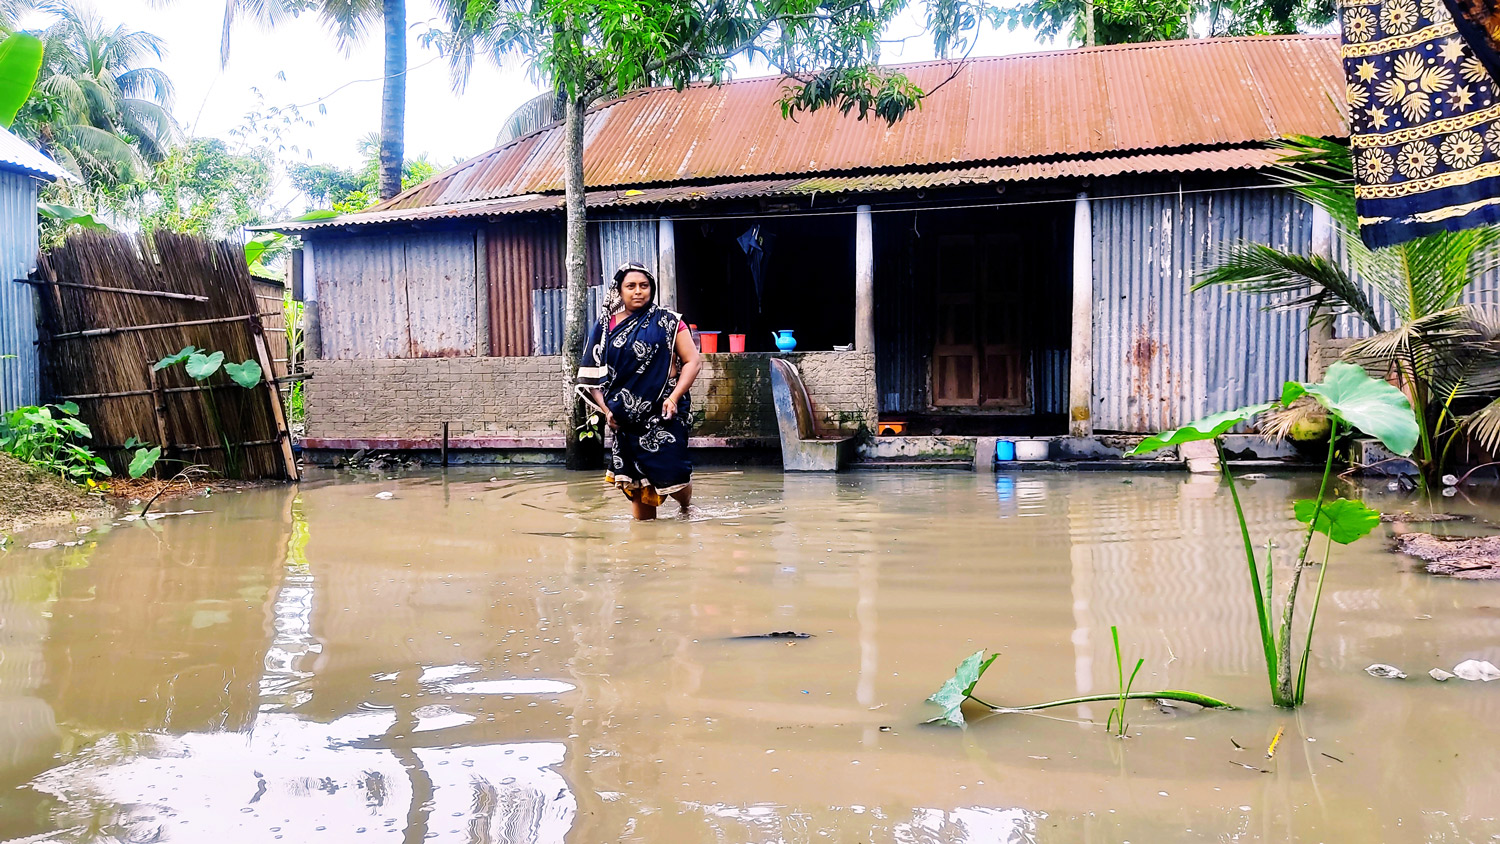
(1268, 644)
(1312, 620)
(1169, 694)
(1284, 642)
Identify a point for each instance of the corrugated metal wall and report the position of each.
(1163, 355)
(398, 296)
(18, 244)
(611, 243)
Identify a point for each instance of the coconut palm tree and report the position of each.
(99, 108)
(1441, 351)
(349, 21)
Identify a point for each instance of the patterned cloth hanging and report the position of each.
(1424, 122)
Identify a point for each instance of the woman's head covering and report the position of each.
(633, 267)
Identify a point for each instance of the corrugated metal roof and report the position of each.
(1094, 101)
(1246, 158)
(18, 156)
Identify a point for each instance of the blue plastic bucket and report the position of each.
(1005, 451)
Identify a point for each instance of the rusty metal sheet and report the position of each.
(442, 320)
(1221, 160)
(1095, 101)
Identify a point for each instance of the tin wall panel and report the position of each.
(442, 313)
(1164, 355)
(362, 307)
(18, 245)
(625, 240)
(1484, 290)
(549, 313)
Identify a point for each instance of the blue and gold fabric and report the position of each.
(1424, 116)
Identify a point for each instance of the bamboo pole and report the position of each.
(278, 413)
(129, 291)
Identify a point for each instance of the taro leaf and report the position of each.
(951, 696)
(201, 366)
(1341, 520)
(245, 374)
(256, 246)
(173, 360)
(68, 407)
(75, 427)
(1207, 428)
(1369, 404)
(20, 64)
(132, 442)
(71, 216)
(144, 459)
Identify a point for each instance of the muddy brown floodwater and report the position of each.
(502, 656)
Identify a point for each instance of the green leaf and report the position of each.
(132, 442)
(1207, 428)
(320, 214)
(20, 62)
(200, 366)
(144, 460)
(1341, 520)
(173, 360)
(958, 687)
(70, 408)
(245, 374)
(256, 246)
(76, 427)
(1369, 404)
(70, 216)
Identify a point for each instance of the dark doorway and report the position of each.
(805, 279)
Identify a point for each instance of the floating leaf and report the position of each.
(245, 374)
(1207, 428)
(1341, 520)
(958, 687)
(144, 460)
(1368, 404)
(201, 366)
(173, 360)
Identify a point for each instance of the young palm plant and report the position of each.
(1440, 351)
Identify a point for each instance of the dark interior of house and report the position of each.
(758, 276)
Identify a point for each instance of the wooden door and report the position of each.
(981, 358)
(955, 359)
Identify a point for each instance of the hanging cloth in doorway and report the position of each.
(1424, 119)
(755, 245)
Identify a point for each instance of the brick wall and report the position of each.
(526, 395)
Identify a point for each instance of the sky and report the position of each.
(299, 63)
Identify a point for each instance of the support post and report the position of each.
(1320, 335)
(666, 263)
(482, 346)
(312, 333)
(864, 282)
(278, 413)
(445, 445)
(1081, 365)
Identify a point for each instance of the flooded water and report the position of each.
(502, 656)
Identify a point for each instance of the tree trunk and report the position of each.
(580, 454)
(393, 100)
(1089, 38)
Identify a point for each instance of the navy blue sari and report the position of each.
(633, 365)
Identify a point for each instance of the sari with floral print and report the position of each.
(634, 365)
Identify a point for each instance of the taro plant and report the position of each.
(1117, 712)
(960, 688)
(48, 438)
(1354, 402)
(144, 457)
(202, 365)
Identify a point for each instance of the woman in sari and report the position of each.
(630, 372)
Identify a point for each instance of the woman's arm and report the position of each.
(603, 408)
(691, 363)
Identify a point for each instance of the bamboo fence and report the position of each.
(113, 304)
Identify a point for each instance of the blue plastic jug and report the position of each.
(1005, 451)
(784, 339)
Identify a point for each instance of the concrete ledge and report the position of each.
(523, 442)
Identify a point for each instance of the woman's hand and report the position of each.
(669, 408)
(609, 419)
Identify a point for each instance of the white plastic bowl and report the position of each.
(1031, 450)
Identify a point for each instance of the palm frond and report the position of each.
(149, 83)
(349, 20)
(1484, 426)
(1319, 284)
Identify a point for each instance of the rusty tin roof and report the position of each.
(1009, 118)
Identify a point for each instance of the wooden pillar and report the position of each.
(1081, 368)
(312, 334)
(864, 282)
(482, 345)
(666, 263)
(1320, 336)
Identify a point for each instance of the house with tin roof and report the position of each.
(23, 170)
(1014, 258)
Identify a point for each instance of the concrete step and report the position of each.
(903, 465)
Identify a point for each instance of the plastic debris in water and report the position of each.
(1388, 672)
(45, 543)
(1475, 669)
(1440, 675)
(1450, 480)
(385, 496)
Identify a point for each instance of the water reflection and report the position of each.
(510, 660)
